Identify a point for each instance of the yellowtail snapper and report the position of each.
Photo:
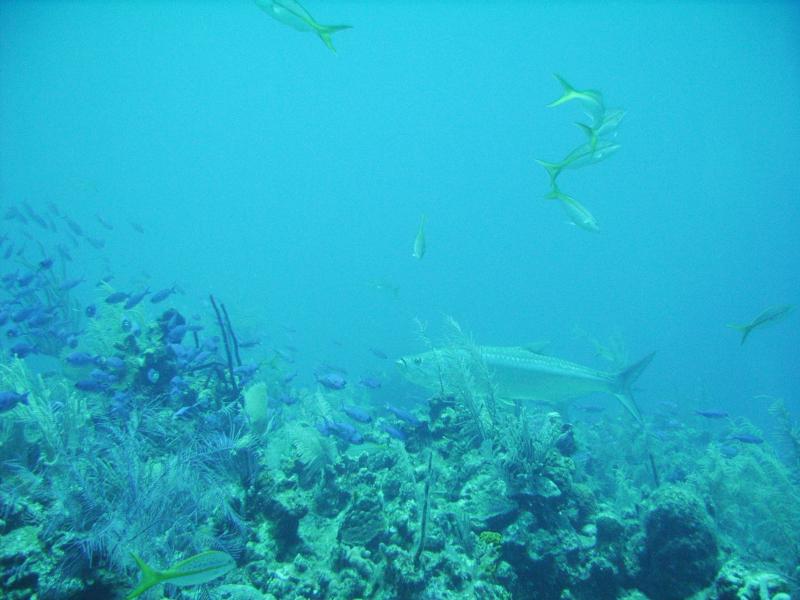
(292, 13)
(773, 314)
(196, 570)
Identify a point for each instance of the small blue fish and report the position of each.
(96, 242)
(163, 295)
(9, 400)
(201, 357)
(175, 334)
(285, 355)
(91, 385)
(134, 299)
(70, 283)
(121, 404)
(288, 399)
(79, 359)
(76, 229)
(747, 438)
(210, 344)
(63, 251)
(372, 383)
(356, 413)
(117, 297)
(394, 432)
(40, 320)
(245, 370)
(115, 363)
(90, 311)
(332, 381)
(344, 431)
(251, 343)
(153, 376)
(26, 279)
(102, 376)
(711, 413)
(179, 351)
(22, 349)
(103, 222)
(403, 415)
(23, 314)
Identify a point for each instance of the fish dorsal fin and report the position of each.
(537, 347)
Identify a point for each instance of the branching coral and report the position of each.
(533, 461)
(789, 431)
(755, 502)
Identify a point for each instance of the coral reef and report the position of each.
(680, 553)
(461, 496)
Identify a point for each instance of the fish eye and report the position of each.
(418, 361)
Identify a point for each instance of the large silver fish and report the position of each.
(521, 374)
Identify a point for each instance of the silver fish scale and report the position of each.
(538, 362)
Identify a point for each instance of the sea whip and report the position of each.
(227, 345)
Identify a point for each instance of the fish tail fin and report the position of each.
(591, 134)
(556, 194)
(567, 95)
(743, 329)
(325, 31)
(624, 381)
(150, 578)
(553, 170)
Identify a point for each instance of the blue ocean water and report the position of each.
(289, 181)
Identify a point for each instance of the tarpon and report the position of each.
(520, 374)
(773, 314)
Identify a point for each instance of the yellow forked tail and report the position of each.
(743, 329)
(324, 32)
(150, 578)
